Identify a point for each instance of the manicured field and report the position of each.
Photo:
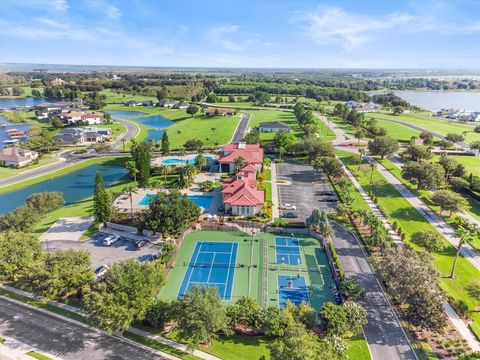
(259, 116)
(250, 272)
(398, 131)
(121, 98)
(410, 220)
(432, 124)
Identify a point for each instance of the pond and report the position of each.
(126, 114)
(22, 102)
(75, 186)
(436, 100)
(5, 125)
(155, 123)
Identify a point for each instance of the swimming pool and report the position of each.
(203, 201)
(175, 161)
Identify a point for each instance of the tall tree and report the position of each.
(130, 190)
(383, 146)
(192, 109)
(141, 155)
(125, 294)
(165, 146)
(465, 232)
(200, 315)
(425, 175)
(449, 201)
(61, 274)
(102, 202)
(18, 252)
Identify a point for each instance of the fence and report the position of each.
(124, 228)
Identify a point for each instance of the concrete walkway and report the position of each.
(273, 183)
(157, 338)
(12, 349)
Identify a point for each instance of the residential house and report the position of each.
(133, 103)
(77, 102)
(218, 112)
(367, 108)
(70, 136)
(352, 104)
(92, 118)
(148, 103)
(57, 82)
(181, 105)
(166, 103)
(274, 126)
(71, 117)
(240, 193)
(16, 157)
(93, 136)
(251, 153)
(102, 131)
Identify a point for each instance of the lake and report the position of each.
(75, 186)
(156, 123)
(436, 100)
(3, 133)
(28, 102)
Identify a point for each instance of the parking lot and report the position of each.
(304, 189)
(123, 249)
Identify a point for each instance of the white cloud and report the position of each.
(219, 36)
(183, 28)
(334, 25)
(111, 11)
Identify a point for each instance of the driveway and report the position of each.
(65, 339)
(241, 128)
(67, 229)
(383, 333)
(303, 188)
(99, 254)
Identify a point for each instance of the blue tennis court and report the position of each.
(288, 251)
(297, 294)
(212, 264)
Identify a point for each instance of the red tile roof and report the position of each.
(241, 190)
(252, 153)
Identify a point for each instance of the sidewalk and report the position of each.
(17, 350)
(273, 182)
(157, 338)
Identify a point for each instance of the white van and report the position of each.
(110, 239)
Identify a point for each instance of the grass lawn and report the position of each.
(432, 124)
(213, 131)
(120, 98)
(6, 172)
(357, 349)
(38, 356)
(410, 220)
(398, 131)
(259, 116)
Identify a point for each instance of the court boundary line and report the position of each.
(277, 247)
(188, 267)
(228, 272)
(306, 288)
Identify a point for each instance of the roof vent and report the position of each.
(242, 145)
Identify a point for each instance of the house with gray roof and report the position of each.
(274, 126)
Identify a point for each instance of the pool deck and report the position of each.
(158, 161)
(123, 201)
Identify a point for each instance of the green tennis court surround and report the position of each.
(255, 271)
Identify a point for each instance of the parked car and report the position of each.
(288, 207)
(141, 244)
(110, 240)
(101, 271)
(326, 193)
(289, 215)
(329, 199)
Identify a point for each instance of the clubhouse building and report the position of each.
(241, 196)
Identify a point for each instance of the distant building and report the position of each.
(181, 105)
(274, 126)
(218, 112)
(70, 136)
(367, 108)
(71, 117)
(92, 118)
(57, 82)
(148, 103)
(16, 157)
(166, 103)
(133, 103)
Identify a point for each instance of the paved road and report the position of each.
(65, 339)
(241, 128)
(67, 158)
(303, 188)
(384, 335)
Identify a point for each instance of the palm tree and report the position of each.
(213, 129)
(123, 143)
(164, 170)
(189, 170)
(239, 162)
(361, 152)
(132, 169)
(130, 189)
(465, 232)
(372, 167)
(281, 151)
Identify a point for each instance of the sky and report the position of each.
(248, 33)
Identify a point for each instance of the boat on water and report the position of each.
(16, 134)
(10, 142)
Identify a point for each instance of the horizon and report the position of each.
(242, 35)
